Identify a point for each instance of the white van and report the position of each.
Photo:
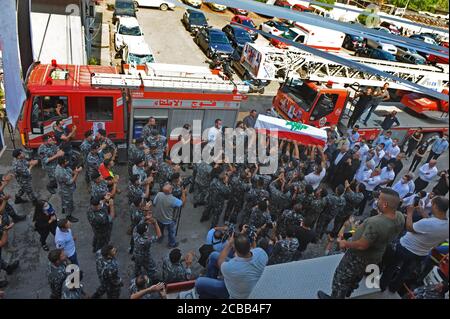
(320, 11)
(164, 5)
(137, 54)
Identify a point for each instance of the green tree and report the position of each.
(327, 2)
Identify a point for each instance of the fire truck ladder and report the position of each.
(120, 81)
(292, 63)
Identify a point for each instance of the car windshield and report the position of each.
(302, 95)
(140, 58)
(290, 35)
(242, 35)
(218, 38)
(356, 38)
(197, 18)
(136, 31)
(387, 56)
(248, 23)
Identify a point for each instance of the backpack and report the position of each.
(206, 250)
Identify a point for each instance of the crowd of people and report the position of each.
(348, 195)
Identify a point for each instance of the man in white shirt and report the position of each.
(65, 240)
(215, 131)
(365, 171)
(387, 174)
(379, 154)
(373, 181)
(391, 152)
(427, 173)
(363, 148)
(416, 244)
(315, 178)
(412, 186)
(402, 187)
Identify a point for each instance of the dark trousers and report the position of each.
(399, 269)
(420, 184)
(367, 197)
(415, 162)
(432, 155)
(44, 232)
(412, 145)
(371, 110)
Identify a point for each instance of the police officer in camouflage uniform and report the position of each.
(100, 215)
(94, 159)
(306, 198)
(165, 172)
(260, 215)
(135, 151)
(49, 153)
(108, 273)
(201, 183)
(66, 179)
(173, 269)
(317, 205)
(73, 292)
(175, 181)
(335, 204)
(220, 191)
(253, 197)
(85, 148)
(9, 209)
(108, 146)
(5, 226)
(22, 171)
(240, 185)
(292, 217)
(139, 210)
(141, 288)
(56, 272)
(149, 127)
(285, 249)
(367, 246)
(280, 197)
(143, 261)
(99, 187)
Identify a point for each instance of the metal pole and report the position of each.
(178, 219)
(24, 35)
(406, 8)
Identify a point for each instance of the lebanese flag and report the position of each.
(302, 133)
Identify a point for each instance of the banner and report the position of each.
(14, 90)
(296, 131)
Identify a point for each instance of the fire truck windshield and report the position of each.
(301, 94)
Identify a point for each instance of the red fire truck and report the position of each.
(94, 97)
(323, 105)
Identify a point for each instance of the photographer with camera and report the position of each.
(284, 249)
(240, 274)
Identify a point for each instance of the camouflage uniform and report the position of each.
(101, 223)
(252, 198)
(239, 188)
(266, 179)
(140, 171)
(98, 191)
(45, 152)
(23, 177)
(135, 192)
(316, 207)
(109, 273)
(74, 293)
(85, 148)
(160, 148)
(110, 146)
(136, 216)
(428, 292)
(334, 206)
(133, 289)
(284, 251)
(219, 192)
(176, 190)
(66, 187)
(9, 209)
(288, 217)
(306, 201)
(93, 162)
(56, 276)
(165, 172)
(258, 218)
(147, 131)
(353, 200)
(134, 153)
(278, 200)
(202, 181)
(174, 272)
(143, 261)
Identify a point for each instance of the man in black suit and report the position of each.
(338, 162)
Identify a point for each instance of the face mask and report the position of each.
(48, 209)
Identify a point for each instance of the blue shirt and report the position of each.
(387, 141)
(440, 146)
(353, 137)
(241, 274)
(210, 240)
(64, 240)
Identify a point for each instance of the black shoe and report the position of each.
(195, 205)
(63, 211)
(72, 219)
(18, 218)
(174, 246)
(45, 247)
(10, 268)
(322, 295)
(51, 190)
(20, 200)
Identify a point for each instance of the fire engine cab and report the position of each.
(93, 97)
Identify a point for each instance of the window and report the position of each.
(99, 108)
(48, 108)
(302, 95)
(325, 105)
(300, 39)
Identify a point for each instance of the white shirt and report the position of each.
(412, 186)
(392, 152)
(372, 182)
(314, 180)
(429, 232)
(363, 150)
(213, 132)
(378, 156)
(401, 188)
(386, 175)
(363, 174)
(426, 173)
(64, 240)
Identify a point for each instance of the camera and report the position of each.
(187, 181)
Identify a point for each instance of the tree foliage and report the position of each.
(422, 5)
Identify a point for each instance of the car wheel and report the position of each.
(209, 54)
(164, 7)
(136, 4)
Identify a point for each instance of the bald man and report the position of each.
(427, 173)
(367, 246)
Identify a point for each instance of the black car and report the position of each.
(194, 20)
(124, 8)
(237, 36)
(353, 42)
(214, 41)
(375, 54)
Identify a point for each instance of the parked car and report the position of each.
(353, 42)
(274, 27)
(375, 54)
(237, 35)
(124, 8)
(283, 4)
(301, 8)
(246, 21)
(214, 41)
(409, 55)
(137, 54)
(433, 36)
(241, 12)
(194, 3)
(161, 4)
(423, 38)
(383, 29)
(434, 59)
(377, 44)
(194, 20)
(216, 6)
(391, 27)
(127, 31)
(293, 34)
